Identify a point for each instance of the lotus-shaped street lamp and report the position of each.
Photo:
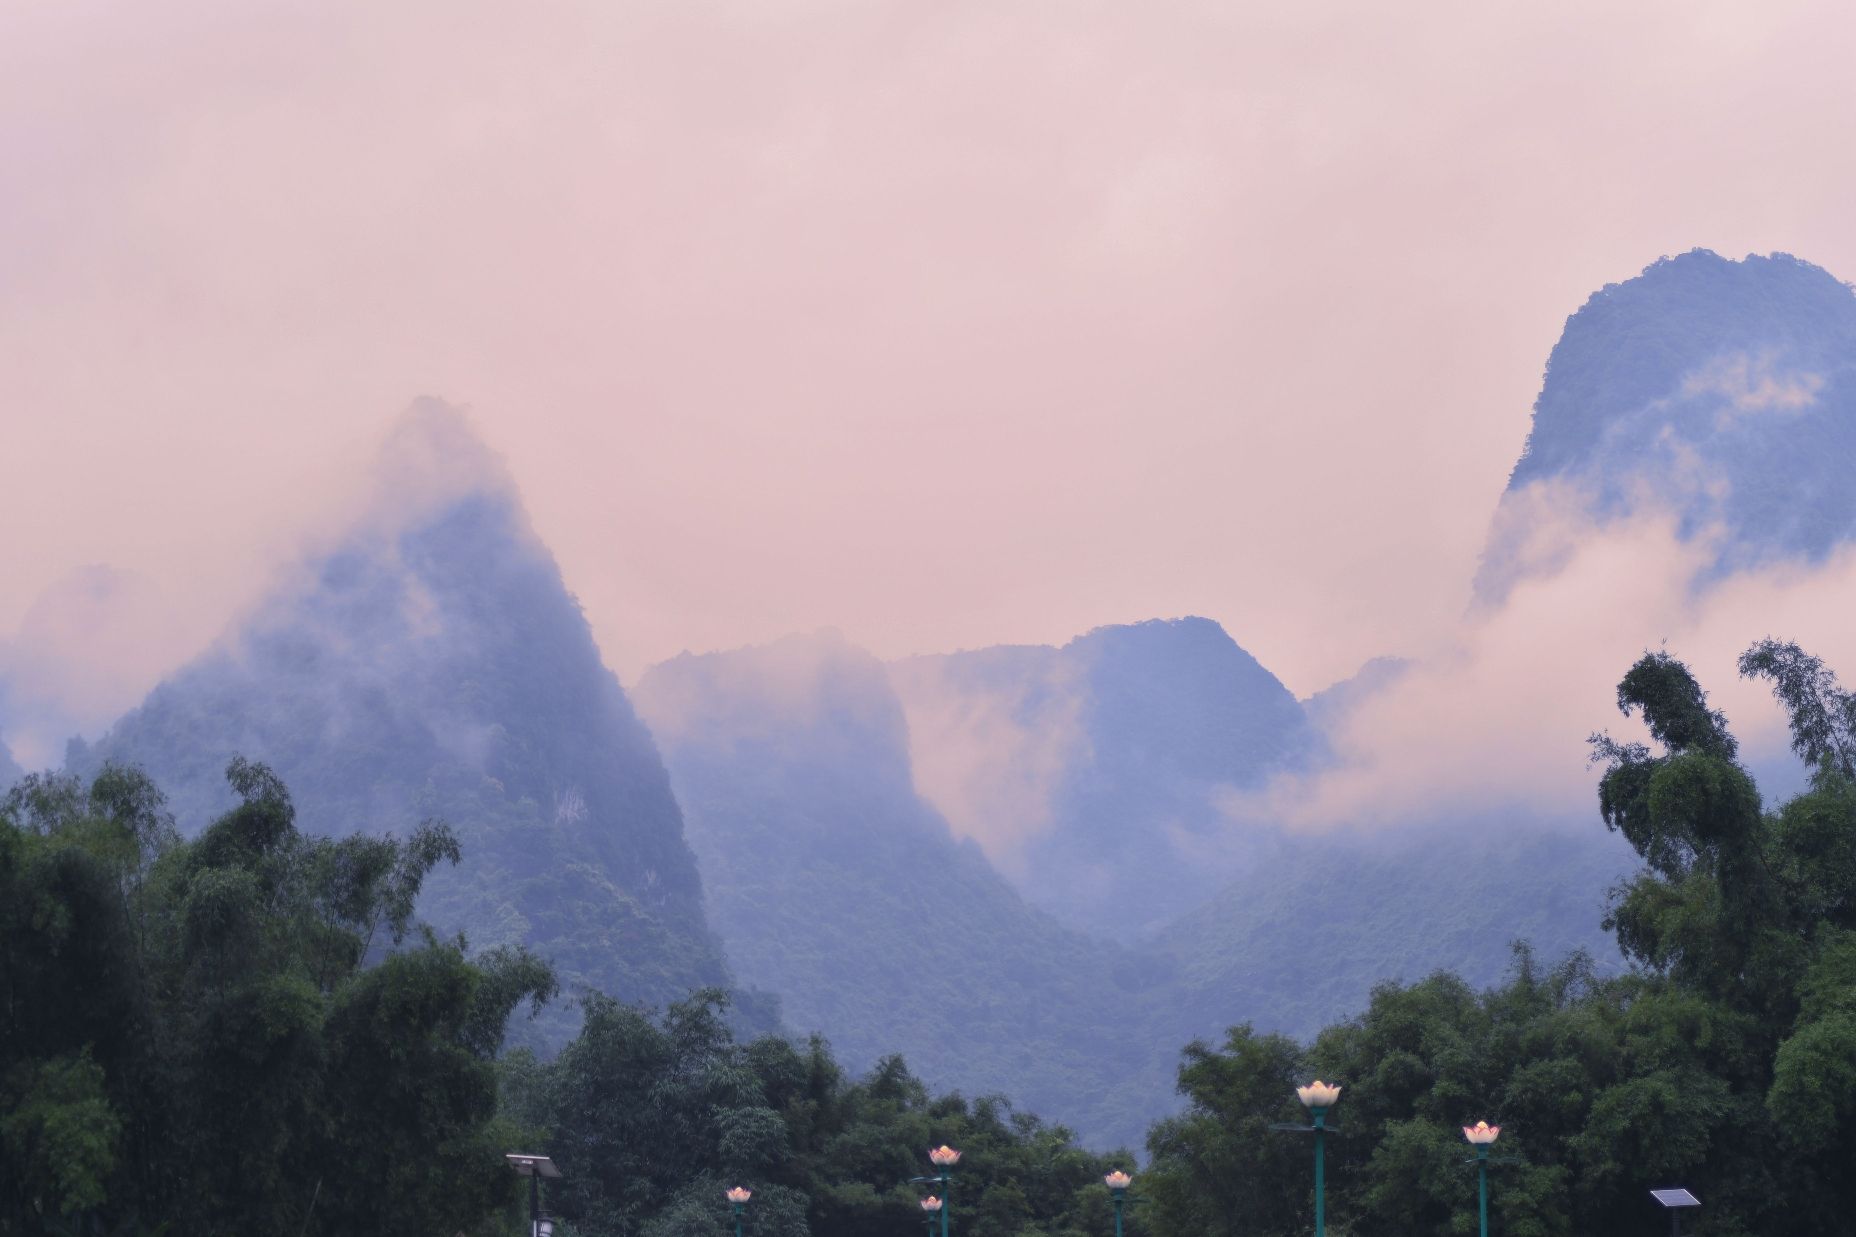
(1482, 1136)
(943, 1158)
(738, 1197)
(1317, 1095)
(1117, 1183)
(931, 1204)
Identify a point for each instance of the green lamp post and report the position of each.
(738, 1200)
(1117, 1183)
(1317, 1097)
(1482, 1136)
(931, 1208)
(943, 1158)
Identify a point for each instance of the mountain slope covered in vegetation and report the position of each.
(434, 664)
(832, 883)
(1722, 392)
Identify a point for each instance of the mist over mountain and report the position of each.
(1304, 934)
(1095, 772)
(1723, 391)
(834, 884)
(1326, 707)
(88, 647)
(433, 664)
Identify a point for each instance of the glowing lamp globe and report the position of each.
(944, 1156)
(1482, 1133)
(1118, 1180)
(738, 1195)
(1317, 1094)
(931, 1204)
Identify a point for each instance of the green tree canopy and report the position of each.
(192, 1034)
(1724, 1060)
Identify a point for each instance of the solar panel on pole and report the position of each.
(1675, 1200)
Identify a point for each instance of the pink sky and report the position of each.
(946, 324)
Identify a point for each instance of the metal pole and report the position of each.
(1117, 1213)
(1321, 1226)
(947, 1199)
(738, 1211)
(1482, 1186)
(534, 1202)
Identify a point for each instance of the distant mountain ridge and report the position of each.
(1159, 720)
(433, 664)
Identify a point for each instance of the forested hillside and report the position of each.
(433, 664)
(1318, 922)
(834, 885)
(1723, 391)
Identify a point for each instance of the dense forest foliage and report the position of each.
(249, 1032)
(240, 1033)
(1724, 1061)
(651, 1119)
(246, 1032)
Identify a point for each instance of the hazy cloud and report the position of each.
(1753, 384)
(1486, 724)
(990, 757)
(87, 648)
(947, 324)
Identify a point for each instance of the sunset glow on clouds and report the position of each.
(945, 325)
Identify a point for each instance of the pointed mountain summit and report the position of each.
(1094, 772)
(834, 884)
(1722, 391)
(432, 663)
